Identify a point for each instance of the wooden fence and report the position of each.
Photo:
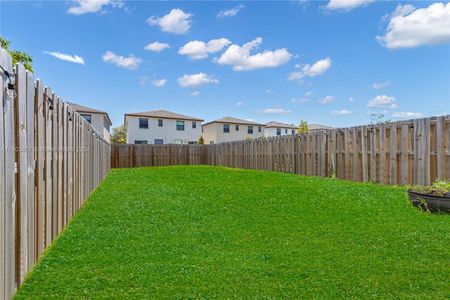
(405, 152)
(50, 160)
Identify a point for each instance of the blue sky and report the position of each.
(332, 63)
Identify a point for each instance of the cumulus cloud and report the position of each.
(242, 60)
(300, 100)
(326, 100)
(190, 80)
(131, 62)
(407, 114)
(159, 82)
(66, 57)
(409, 28)
(230, 12)
(275, 111)
(90, 6)
(383, 101)
(318, 68)
(270, 92)
(239, 104)
(342, 112)
(157, 47)
(380, 85)
(346, 5)
(176, 21)
(200, 50)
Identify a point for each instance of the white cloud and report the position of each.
(230, 12)
(159, 82)
(200, 50)
(189, 80)
(351, 99)
(342, 112)
(239, 104)
(270, 92)
(379, 85)
(91, 6)
(409, 28)
(129, 62)
(240, 58)
(195, 93)
(346, 5)
(407, 114)
(176, 21)
(309, 94)
(157, 47)
(326, 100)
(318, 68)
(300, 100)
(66, 57)
(383, 101)
(275, 111)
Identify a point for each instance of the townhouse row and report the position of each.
(166, 127)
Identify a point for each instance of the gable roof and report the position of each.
(84, 109)
(318, 127)
(164, 114)
(272, 124)
(233, 120)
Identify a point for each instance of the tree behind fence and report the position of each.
(405, 152)
(50, 160)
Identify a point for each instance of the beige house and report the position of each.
(315, 127)
(98, 119)
(162, 127)
(278, 129)
(229, 129)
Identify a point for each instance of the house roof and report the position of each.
(164, 114)
(84, 109)
(313, 127)
(272, 124)
(233, 120)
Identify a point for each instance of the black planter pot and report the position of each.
(430, 202)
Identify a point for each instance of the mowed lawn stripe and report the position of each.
(213, 232)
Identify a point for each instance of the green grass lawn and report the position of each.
(211, 232)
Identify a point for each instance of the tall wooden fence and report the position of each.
(50, 160)
(405, 152)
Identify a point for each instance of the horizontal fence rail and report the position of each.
(50, 160)
(405, 152)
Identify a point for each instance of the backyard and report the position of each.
(214, 232)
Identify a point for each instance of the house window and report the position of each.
(180, 125)
(226, 128)
(259, 128)
(211, 142)
(285, 131)
(87, 117)
(250, 130)
(192, 142)
(278, 131)
(178, 142)
(237, 127)
(159, 141)
(143, 123)
(194, 125)
(160, 123)
(293, 131)
(140, 142)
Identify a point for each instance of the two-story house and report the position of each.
(278, 129)
(162, 127)
(98, 119)
(229, 129)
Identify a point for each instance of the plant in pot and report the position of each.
(434, 198)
